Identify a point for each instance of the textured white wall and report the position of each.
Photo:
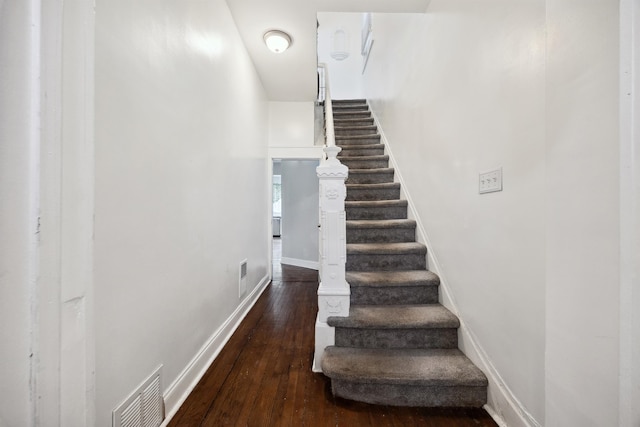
(582, 250)
(531, 86)
(346, 75)
(300, 200)
(181, 185)
(18, 222)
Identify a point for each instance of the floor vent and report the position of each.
(144, 407)
(242, 279)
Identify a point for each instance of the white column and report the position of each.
(333, 292)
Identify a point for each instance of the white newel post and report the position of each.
(333, 292)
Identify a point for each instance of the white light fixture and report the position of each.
(339, 44)
(277, 41)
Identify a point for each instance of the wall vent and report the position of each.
(144, 407)
(242, 279)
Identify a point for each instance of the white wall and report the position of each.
(459, 91)
(291, 124)
(181, 186)
(345, 75)
(582, 249)
(531, 86)
(300, 198)
(18, 220)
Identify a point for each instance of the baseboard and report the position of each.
(313, 265)
(180, 389)
(502, 405)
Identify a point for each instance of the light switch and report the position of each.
(490, 181)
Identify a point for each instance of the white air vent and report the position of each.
(242, 279)
(144, 407)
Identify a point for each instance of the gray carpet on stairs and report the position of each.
(398, 346)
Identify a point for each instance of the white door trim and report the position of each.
(629, 410)
(63, 367)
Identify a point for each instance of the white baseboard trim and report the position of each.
(180, 389)
(502, 405)
(313, 265)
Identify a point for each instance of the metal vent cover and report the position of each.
(242, 278)
(144, 407)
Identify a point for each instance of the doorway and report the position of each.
(295, 200)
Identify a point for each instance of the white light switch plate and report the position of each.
(490, 181)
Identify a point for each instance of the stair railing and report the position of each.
(334, 291)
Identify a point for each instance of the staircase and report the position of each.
(398, 346)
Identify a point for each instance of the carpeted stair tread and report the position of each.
(355, 121)
(363, 158)
(386, 248)
(426, 367)
(355, 171)
(362, 150)
(415, 316)
(376, 209)
(347, 148)
(349, 105)
(381, 185)
(349, 101)
(393, 287)
(372, 128)
(345, 139)
(351, 113)
(364, 162)
(377, 191)
(392, 278)
(342, 141)
(381, 223)
(370, 176)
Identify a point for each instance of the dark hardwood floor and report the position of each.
(263, 375)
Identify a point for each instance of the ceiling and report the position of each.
(291, 75)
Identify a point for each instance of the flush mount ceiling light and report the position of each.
(277, 41)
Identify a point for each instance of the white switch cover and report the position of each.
(490, 181)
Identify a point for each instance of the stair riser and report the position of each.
(360, 101)
(380, 235)
(411, 395)
(353, 122)
(397, 338)
(354, 140)
(364, 194)
(396, 295)
(392, 212)
(339, 115)
(356, 131)
(356, 163)
(349, 107)
(361, 152)
(386, 262)
(370, 178)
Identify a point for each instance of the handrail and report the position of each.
(323, 76)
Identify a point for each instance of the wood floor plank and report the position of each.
(193, 411)
(271, 392)
(263, 375)
(241, 386)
